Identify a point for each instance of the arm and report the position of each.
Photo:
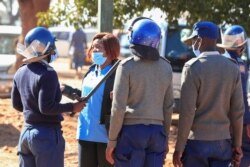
(236, 118)
(189, 92)
(70, 92)
(72, 41)
(16, 98)
(168, 107)
(85, 43)
(48, 93)
(248, 130)
(244, 80)
(120, 95)
(236, 113)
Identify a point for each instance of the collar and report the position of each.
(145, 52)
(209, 53)
(46, 64)
(99, 71)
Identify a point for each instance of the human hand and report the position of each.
(78, 106)
(177, 159)
(62, 87)
(109, 155)
(237, 155)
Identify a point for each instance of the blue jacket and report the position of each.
(244, 78)
(36, 92)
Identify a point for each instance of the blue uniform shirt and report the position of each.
(244, 78)
(36, 92)
(89, 127)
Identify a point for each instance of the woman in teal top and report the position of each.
(91, 130)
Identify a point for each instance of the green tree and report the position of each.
(84, 12)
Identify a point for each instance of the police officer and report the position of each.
(211, 102)
(142, 102)
(36, 93)
(234, 42)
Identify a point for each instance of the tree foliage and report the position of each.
(84, 12)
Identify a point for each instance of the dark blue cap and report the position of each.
(204, 29)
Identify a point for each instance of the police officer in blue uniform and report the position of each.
(234, 42)
(36, 92)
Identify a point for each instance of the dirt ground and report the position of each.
(11, 123)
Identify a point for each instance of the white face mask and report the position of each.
(98, 58)
(196, 51)
(226, 54)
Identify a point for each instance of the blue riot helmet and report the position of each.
(233, 38)
(39, 43)
(144, 31)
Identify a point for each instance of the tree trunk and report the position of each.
(28, 11)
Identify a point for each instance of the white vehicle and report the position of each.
(8, 38)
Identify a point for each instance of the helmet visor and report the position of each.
(35, 49)
(234, 41)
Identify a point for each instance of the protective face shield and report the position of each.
(98, 58)
(234, 38)
(39, 43)
(144, 31)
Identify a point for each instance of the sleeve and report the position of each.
(16, 98)
(236, 113)
(48, 94)
(244, 80)
(168, 106)
(72, 41)
(189, 92)
(119, 103)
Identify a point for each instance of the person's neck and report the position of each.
(208, 49)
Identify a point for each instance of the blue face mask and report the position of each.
(98, 58)
(54, 56)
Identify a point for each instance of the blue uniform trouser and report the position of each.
(41, 147)
(141, 146)
(245, 161)
(199, 153)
